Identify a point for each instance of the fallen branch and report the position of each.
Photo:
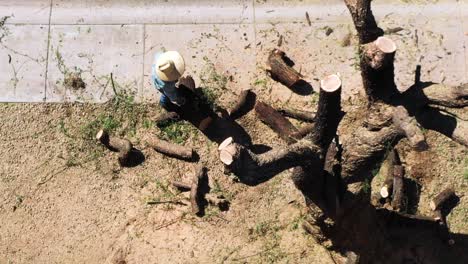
(275, 121)
(196, 192)
(437, 94)
(123, 146)
(306, 116)
(166, 117)
(410, 128)
(281, 71)
(328, 112)
(171, 149)
(439, 201)
(235, 111)
(398, 188)
(387, 188)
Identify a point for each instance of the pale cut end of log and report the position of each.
(331, 83)
(226, 157)
(101, 134)
(441, 198)
(386, 45)
(225, 143)
(384, 192)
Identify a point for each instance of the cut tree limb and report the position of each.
(275, 121)
(328, 112)
(444, 123)
(398, 188)
(438, 202)
(410, 128)
(123, 146)
(306, 116)
(235, 111)
(379, 53)
(171, 149)
(253, 169)
(196, 192)
(166, 117)
(280, 70)
(392, 161)
(303, 131)
(364, 20)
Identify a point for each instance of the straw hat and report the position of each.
(170, 66)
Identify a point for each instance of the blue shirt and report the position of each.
(167, 89)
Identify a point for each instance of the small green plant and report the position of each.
(465, 174)
(177, 132)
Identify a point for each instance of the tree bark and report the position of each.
(281, 71)
(196, 192)
(306, 116)
(398, 188)
(123, 146)
(328, 113)
(253, 169)
(438, 202)
(235, 111)
(275, 121)
(393, 160)
(364, 20)
(171, 149)
(410, 128)
(444, 123)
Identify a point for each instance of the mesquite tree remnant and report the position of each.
(333, 169)
(123, 146)
(280, 70)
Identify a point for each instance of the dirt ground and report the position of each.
(66, 200)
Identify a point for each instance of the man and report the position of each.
(167, 68)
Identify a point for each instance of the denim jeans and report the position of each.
(166, 103)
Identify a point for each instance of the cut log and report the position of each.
(123, 146)
(398, 188)
(392, 161)
(275, 121)
(328, 112)
(217, 200)
(303, 131)
(448, 124)
(235, 111)
(280, 70)
(171, 149)
(196, 192)
(306, 116)
(438, 202)
(379, 53)
(228, 151)
(410, 128)
(183, 187)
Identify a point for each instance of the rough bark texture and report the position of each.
(235, 111)
(392, 160)
(364, 20)
(280, 70)
(306, 116)
(253, 169)
(328, 117)
(123, 146)
(171, 149)
(410, 128)
(438, 202)
(196, 192)
(444, 123)
(275, 121)
(398, 188)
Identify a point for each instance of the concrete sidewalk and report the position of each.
(44, 42)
